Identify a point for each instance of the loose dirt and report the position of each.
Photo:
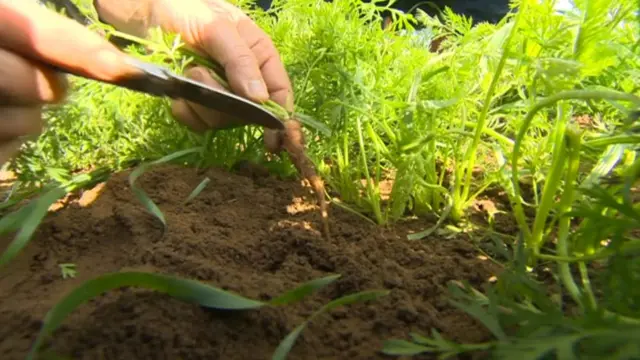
(254, 235)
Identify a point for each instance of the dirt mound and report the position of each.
(257, 236)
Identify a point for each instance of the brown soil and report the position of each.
(253, 235)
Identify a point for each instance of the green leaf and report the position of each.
(313, 123)
(29, 218)
(303, 290)
(287, 343)
(400, 192)
(404, 347)
(445, 214)
(183, 289)
(438, 104)
(198, 189)
(612, 155)
(141, 195)
(12, 221)
(479, 313)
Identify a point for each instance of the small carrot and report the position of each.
(294, 144)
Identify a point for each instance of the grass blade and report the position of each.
(445, 214)
(303, 290)
(404, 347)
(12, 221)
(351, 299)
(313, 123)
(198, 189)
(183, 289)
(141, 195)
(287, 343)
(29, 217)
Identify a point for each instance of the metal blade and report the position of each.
(161, 81)
(226, 102)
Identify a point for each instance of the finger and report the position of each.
(274, 73)
(20, 121)
(185, 114)
(8, 149)
(271, 66)
(225, 45)
(27, 83)
(43, 35)
(214, 119)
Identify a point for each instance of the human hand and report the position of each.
(30, 37)
(222, 32)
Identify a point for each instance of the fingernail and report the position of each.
(258, 90)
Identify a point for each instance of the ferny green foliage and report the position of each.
(542, 106)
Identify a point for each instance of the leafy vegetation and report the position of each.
(543, 106)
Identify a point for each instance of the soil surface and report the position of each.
(248, 233)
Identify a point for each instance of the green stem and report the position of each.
(572, 142)
(458, 172)
(629, 248)
(373, 198)
(470, 156)
(612, 140)
(586, 284)
(564, 95)
(503, 140)
(550, 187)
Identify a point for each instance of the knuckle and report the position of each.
(264, 45)
(181, 112)
(242, 58)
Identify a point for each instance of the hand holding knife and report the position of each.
(134, 74)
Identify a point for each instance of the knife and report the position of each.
(159, 81)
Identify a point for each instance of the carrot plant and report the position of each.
(378, 107)
(542, 106)
(579, 215)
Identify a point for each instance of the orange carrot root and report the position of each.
(294, 144)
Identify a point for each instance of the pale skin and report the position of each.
(31, 36)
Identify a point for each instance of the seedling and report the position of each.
(539, 109)
(68, 270)
(292, 137)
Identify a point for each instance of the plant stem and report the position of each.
(372, 194)
(470, 156)
(572, 143)
(564, 95)
(586, 284)
(629, 248)
(550, 187)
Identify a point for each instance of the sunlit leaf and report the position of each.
(183, 289)
(141, 194)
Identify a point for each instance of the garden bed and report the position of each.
(250, 234)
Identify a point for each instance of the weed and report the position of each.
(542, 106)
